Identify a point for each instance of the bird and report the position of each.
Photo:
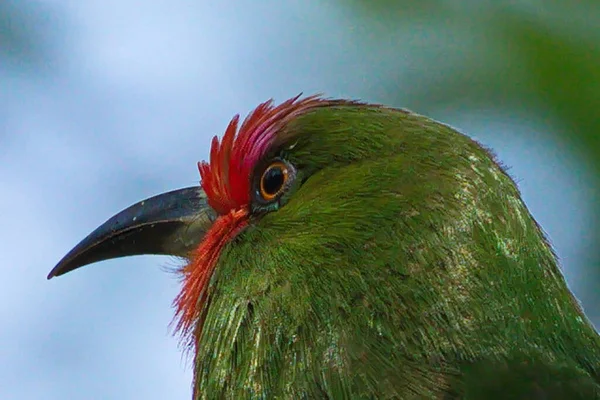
(336, 249)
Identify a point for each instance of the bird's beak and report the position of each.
(171, 223)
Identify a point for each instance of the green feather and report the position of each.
(402, 264)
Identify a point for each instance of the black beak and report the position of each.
(171, 223)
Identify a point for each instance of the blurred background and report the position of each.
(103, 103)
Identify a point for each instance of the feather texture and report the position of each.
(403, 264)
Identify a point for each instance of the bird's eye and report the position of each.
(274, 180)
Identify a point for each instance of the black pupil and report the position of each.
(273, 180)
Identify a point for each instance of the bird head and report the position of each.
(331, 239)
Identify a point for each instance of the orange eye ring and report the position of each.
(273, 180)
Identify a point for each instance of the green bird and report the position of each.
(342, 250)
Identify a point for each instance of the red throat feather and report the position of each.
(226, 179)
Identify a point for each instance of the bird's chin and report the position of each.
(189, 304)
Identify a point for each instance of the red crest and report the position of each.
(226, 178)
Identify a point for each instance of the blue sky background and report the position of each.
(124, 104)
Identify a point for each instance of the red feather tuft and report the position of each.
(188, 304)
(226, 178)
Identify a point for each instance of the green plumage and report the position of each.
(371, 253)
(401, 264)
